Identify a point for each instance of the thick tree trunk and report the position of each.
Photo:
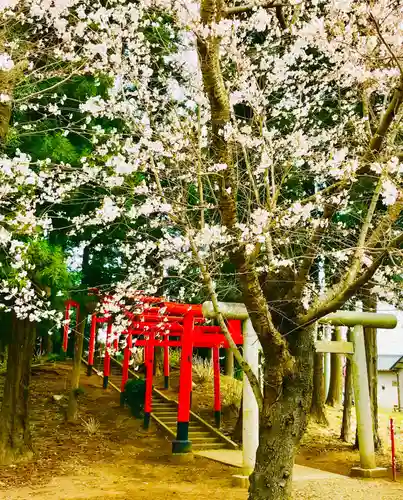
(15, 435)
(229, 363)
(48, 343)
(3, 351)
(345, 434)
(282, 425)
(317, 411)
(336, 376)
(75, 376)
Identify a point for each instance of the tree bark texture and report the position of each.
(48, 343)
(75, 376)
(346, 434)
(237, 432)
(158, 361)
(15, 435)
(317, 410)
(283, 423)
(336, 376)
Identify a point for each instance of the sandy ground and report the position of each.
(121, 461)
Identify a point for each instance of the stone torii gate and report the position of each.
(355, 349)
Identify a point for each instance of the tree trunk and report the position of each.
(237, 432)
(282, 425)
(317, 411)
(371, 352)
(345, 434)
(229, 363)
(2, 351)
(75, 376)
(336, 376)
(158, 361)
(15, 435)
(48, 343)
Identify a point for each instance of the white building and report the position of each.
(390, 362)
(389, 381)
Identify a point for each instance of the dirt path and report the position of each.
(120, 461)
(132, 479)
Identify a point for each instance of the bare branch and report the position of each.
(254, 382)
(280, 17)
(393, 55)
(384, 225)
(312, 250)
(199, 170)
(349, 291)
(336, 293)
(244, 9)
(214, 299)
(386, 120)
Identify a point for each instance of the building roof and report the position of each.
(398, 365)
(388, 362)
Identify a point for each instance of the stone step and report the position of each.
(208, 446)
(201, 434)
(204, 439)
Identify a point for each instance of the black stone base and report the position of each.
(181, 447)
(105, 382)
(89, 370)
(217, 418)
(166, 382)
(122, 399)
(147, 418)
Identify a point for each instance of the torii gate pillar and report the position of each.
(251, 346)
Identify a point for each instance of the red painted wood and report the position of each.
(66, 326)
(175, 308)
(149, 374)
(105, 319)
(185, 377)
(166, 358)
(216, 367)
(392, 441)
(155, 327)
(235, 327)
(91, 346)
(107, 358)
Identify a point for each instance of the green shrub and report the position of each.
(119, 356)
(174, 358)
(52, 358)
(133, 396)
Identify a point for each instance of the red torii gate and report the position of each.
(166, 324)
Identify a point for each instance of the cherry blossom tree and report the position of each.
(269, 140)
(268, 136)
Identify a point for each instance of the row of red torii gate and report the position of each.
(156, 322)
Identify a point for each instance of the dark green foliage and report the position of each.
(78, 392)
(54, 357)
(133, 396)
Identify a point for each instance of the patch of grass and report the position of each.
(202, 369)
(231, 392)
(91, 425)
(79, 392)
